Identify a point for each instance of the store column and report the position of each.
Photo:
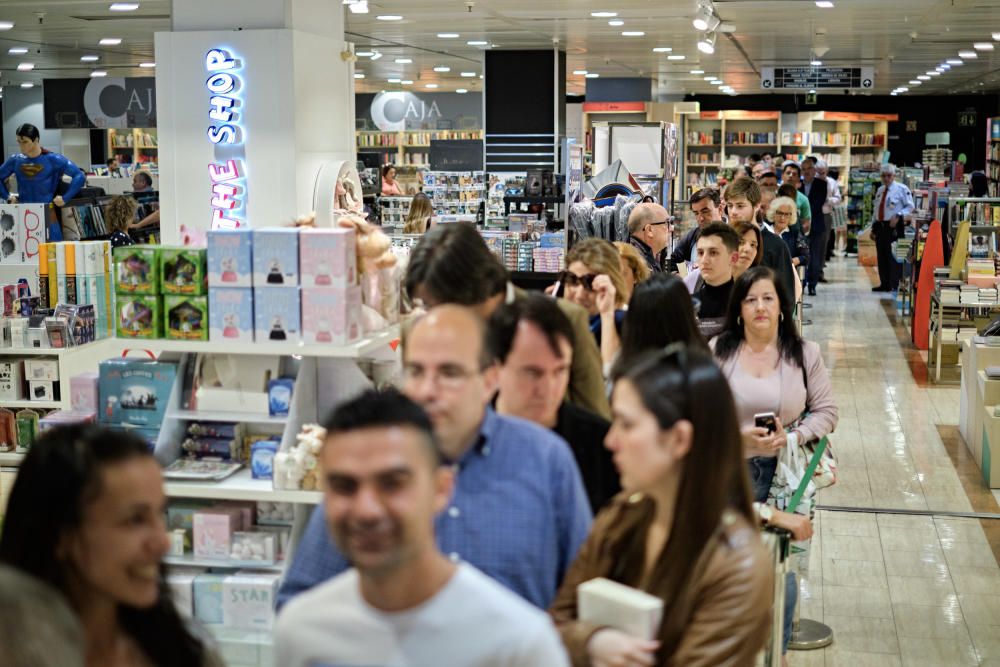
(525, 109)
(253, 98)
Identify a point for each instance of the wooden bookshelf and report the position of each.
(135, 146)
(407, 148)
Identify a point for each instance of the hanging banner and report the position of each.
(776, 78)
(103, 102)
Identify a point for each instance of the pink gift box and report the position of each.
(213, 531)
(331, 316)
(327, 258)
(83, 392)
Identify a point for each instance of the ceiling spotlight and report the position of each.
(893, 93)
(97, 73)
(17, 51)
(431, 86)
(824, 4)
(903, 89)
(477, 42)
(89, 59)
(389, 17)
(633, 33)
(715, 82)
(604, 15)
(394, 80)
(709, 78)
(915, 82)
(403, 61)
(124, 6)
(705, 18)
(923, 77)
(359, 75)
(616, 23)
(674, 56)
(359, 7)
(448, 35)
(955, 61)
(377, 55)
(662, 49)
(697, 71)
(25, 67)
(815, 62)
(943, 66)
(468, 74)
(933, 72)
(110, 41)
(996, 36)
(7, 25)
(461, 91)
(812, 91)
(707, 43)
(147, 65)
(983, 46)
(442, 69)
(364, 54)
(580, 72)
(27, 84)
(968, 54)
(407, 82)
(592, 75)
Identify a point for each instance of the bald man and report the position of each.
(649, 227)
(519, 511)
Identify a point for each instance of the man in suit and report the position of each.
(816, 190)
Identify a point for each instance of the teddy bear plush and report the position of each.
(379, 273)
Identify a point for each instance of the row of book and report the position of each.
(704, 138)
(758, 138)
(704, 158)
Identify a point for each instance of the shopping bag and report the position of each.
(825, 474)
(792, 488)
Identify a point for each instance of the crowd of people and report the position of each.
(535, 443)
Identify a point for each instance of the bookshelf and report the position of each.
(993, 156)
(134, 146)
(407, 148)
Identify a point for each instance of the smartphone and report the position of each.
(766, 420)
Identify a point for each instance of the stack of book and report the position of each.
(969, 294)
(988, 295)
(950, 292)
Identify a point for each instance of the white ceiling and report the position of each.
(900, 39)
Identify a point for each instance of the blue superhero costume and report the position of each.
(39, 177)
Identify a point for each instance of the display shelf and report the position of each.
(225, 416)
(46, 351)
(41, 405)
(703, 165)
(190, 560)
(11, 458)
(373, 343)
(240, 486)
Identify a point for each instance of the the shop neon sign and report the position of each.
(226, 133)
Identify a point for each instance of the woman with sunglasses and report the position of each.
(594, 281)
(86, 516)
(683, 530)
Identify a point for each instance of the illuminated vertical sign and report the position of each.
(227, 171)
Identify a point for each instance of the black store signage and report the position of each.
(106, 102)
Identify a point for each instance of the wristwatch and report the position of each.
(765, 512)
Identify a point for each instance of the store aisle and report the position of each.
(897, 590)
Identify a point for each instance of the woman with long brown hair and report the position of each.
(420, 216)
(683, 530)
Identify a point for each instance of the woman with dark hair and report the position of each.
(390, 187)
(772, 370)
(660, 312)
(86, 517)
(751, 247)
(683, 530)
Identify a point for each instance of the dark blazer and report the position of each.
(585, 433)
(776, 257)
(817, 197)
(682, 251)
(798, 245)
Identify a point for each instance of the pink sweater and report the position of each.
(823, 413)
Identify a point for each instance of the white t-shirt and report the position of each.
(472, 622)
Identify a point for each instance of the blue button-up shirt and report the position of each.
(519, 513)
(898, 200)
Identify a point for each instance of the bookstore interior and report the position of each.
(185, 261)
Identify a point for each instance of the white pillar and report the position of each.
(293, 104)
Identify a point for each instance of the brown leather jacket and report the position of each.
(730, 595)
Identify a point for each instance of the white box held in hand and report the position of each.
(608, 603)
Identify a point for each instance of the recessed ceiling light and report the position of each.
(955, 61)
(633, 33)
(27, 84)
(124, 6)
(110, 41)
(824, 4)
(592, 75)
(389, 17)
(662, 49)
(90, 59)
(359, 75)
(580, 72)
(377, 55)
(147, 65)
(903, 89)
(944, 66)
(996, 36)
(364, 54)
(477, 42)
(25, 67)
(97, 73)
(7, 25)
(442, 69)
(448, 35)
(715, 82)
(983, 46)
(816, 63)
(431, 85)
(407, 82)
(968, 54)
(924, 77)
(933, 72)
(403, 61)
(603, 15)
(17, 50)
(697, 71)
(914, 82)
(394, 80)
(709, 78)
(468, 74)
(894, 93)
(461, 91)
(616, 23)
(674, 56)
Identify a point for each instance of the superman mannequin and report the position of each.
(38, 172)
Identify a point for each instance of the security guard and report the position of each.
(893, 202)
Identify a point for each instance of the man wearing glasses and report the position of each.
(649, 229)
(519, 511)
(705, 206)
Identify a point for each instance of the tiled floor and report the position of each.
(897, 590)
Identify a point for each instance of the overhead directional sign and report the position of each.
(777, 78)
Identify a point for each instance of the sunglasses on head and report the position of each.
(572, 280)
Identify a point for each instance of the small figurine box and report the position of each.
(11, 380)
(275, 257)
(248, 600)
(230, 314)
(213, 532)
(182, 271)
(208, 598)
(327, 257)
(83, 392)
(139, 316)
(331, 316)
(186, 317)
(135, 391)
(137, 269)
(277, 317)
(230, 258)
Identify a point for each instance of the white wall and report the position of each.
(24, 105)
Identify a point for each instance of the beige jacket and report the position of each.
(729, 600)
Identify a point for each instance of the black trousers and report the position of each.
(888, 269)
(817, 256)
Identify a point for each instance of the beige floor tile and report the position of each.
(924, 621)
(847, 547)
(987, 641)
(976, 580)
(929, 652)
(853, 601)
(849, 524)
(904, 539)
(936, 591)
(866, 574)
(838, 658)
(967, 554)
(926, 563)
(960, 530)
(864, 635)
(980, 609)
(806, 659)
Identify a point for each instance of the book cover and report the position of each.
(630, 610)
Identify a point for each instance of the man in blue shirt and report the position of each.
(519, 511)
(893, 203)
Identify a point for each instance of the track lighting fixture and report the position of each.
(705, 18)
(707, 43)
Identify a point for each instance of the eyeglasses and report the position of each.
(450, 377)
(572, 280)
(784, 214)
(662, 222)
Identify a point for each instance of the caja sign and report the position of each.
(391, 111)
